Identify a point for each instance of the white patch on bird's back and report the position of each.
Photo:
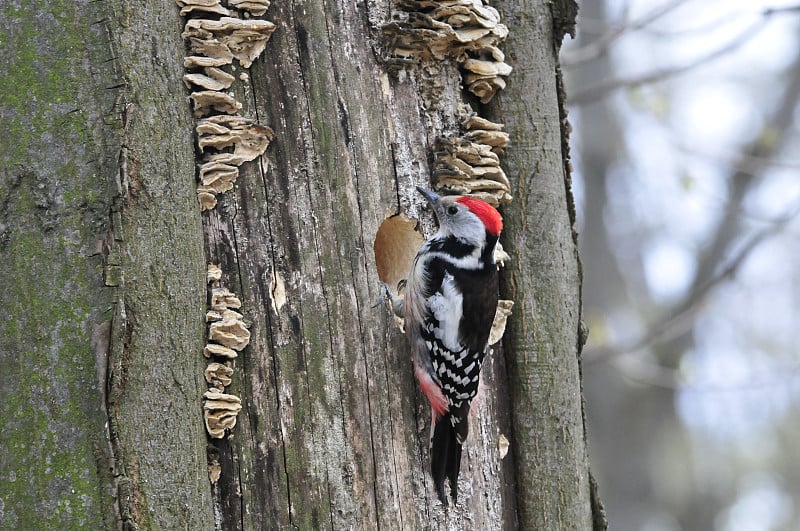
(446, 305)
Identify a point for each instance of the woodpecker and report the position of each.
(448, 307)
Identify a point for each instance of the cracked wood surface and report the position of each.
(334, 433)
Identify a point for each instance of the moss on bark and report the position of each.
(53, 201)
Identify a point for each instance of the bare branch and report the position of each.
(747, 164)
(601, 45)
(642, 372)
(683, 316)
(777, 10)
(603, 89)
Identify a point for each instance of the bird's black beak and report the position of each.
(433, 198)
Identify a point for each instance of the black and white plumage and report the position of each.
(449, 305)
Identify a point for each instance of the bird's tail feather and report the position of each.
(446, 454)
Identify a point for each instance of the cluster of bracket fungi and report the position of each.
(470, 164)
(467, 31)
(227, 335)
(217, 35)
(220, 35)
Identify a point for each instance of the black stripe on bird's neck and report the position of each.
(452, 246)
(456, 248)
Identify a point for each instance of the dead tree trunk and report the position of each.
(105, 252)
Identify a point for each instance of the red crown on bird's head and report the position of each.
(489, 215)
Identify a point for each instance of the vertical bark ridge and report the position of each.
(344, 120)
(271, 326)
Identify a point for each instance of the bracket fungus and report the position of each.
(206, 6)
(248, 139)
(198, 61)
(220, 411)
(226, 328)
(207, 198)
(214, 273)
(464, 30)
(218, 374)
(254, 7)
(470, 163)
(227, 334)
(240, 39)
(207, 101)
(216, 177)
(207, 52)
(212, 78)
(216, 315)
(213, 349)
(222, 299)
(214, 43)
(483, 131)
(483, 79)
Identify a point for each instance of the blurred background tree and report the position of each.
(686, 177)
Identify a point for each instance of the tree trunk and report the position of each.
(102, 246)
(105, 252)
(545, 337)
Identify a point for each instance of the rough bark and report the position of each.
(544, 337)
(334, 433)
(155, 366)
(52, 296)
(105, 245)
(103, 264)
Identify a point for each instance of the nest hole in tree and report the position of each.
(396, 244)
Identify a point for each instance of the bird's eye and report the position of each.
(452, 211)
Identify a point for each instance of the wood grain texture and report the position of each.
(334, 433)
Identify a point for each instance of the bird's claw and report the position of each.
(385, 295)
